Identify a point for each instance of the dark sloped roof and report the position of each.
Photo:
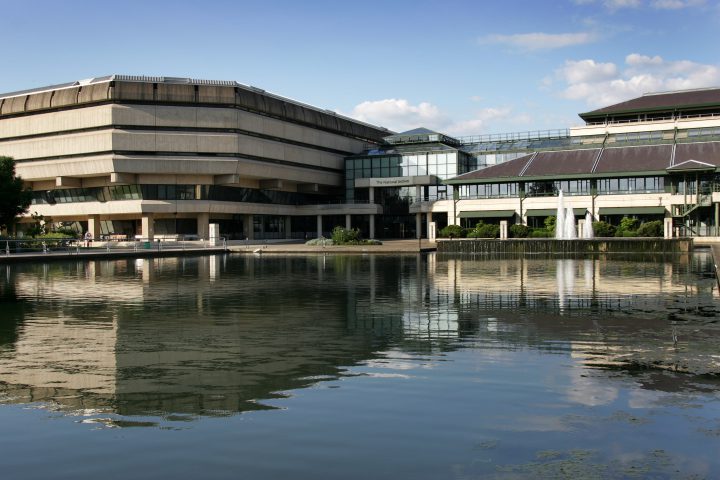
(708, 152)
(685, 99)
(511, 168)
(563, 162)
(634, 159)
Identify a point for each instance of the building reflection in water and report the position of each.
(217, 335)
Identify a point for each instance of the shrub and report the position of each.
(603, 229)
(57, 235)
(651, 229)
(519, 231)
(484, 230)
(550, 225)
(344, 236)
(540, 233)
(452, 231)
(628, 227)
(319, 241)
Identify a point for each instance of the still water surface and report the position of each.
(360, 367)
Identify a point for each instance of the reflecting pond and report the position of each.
(361, 367)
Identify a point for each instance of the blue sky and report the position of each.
(462, 67)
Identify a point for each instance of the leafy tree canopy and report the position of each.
(14, 197)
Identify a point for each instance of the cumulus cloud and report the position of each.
(540, 40)
(401, 115)
(599, 84)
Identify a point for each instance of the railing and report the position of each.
(649, 120)
(513, 136)
(68, 246)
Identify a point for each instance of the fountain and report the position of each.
(570, 228)
(560, 218)
(588, 227)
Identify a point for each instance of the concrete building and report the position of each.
(150, 157)
(123, 156)
(654, 158)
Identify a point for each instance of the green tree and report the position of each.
(14, 197)
(452, 231)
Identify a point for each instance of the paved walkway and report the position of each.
(387, 247)
(271, 247)
(102, 254)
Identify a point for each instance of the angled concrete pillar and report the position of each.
(148, 227)
(203, 225)
(372, 226)
(319, 226)
(428, 220)
(348, 221)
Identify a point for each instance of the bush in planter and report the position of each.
(628, 227)
(540, 233)
(452, 231)
(519, 231)
(603, 229)
(484, 230)
(345, 236)
(651, 229)
(550, 225)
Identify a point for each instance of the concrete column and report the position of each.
(372, 195)
(288, 227)
(428, 220)
(372, 226)
(348, 221)
(214, 233)
(248, 227)
(94, 226)
(503, 229)
(418, 225)
(203, 225)
(148, 227)
(668, 230)
(319, 226)
(418, 193)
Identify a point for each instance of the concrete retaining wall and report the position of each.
(562, 247)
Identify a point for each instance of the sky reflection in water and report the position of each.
(383, 367)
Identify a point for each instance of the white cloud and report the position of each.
(400, 115)
(676, 4)
(481, 122)
(618, 4)
(600, 84)
(587, 70)
(541, 41)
